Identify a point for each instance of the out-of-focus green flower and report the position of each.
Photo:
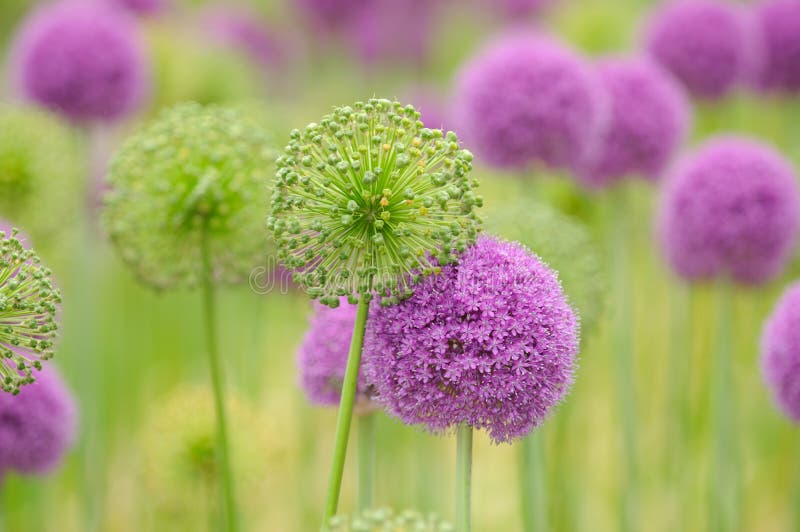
(385, 520)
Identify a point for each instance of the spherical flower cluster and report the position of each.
(367, 198)
(649, 120)
(564, 244)
(397, 30)
(38, 425)
(490, 342)
(82, 59)
(527, 99)
(322, 356)
(245, 32)
(779, 25)
(385, 520)
(708, 45)
(192, 184)
(780, 353)
(731, 208)
(28, 306)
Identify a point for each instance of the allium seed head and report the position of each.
(491, 342)
(732, 208)
(196, 175)
(82, 59)
(385, 520)
(368, 198)
(779, 25)
(28, 306)
(649, 121)
(780, 353)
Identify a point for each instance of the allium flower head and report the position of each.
(82, 59)
(195, 176)
(385, 520)
(367, 198)
(28, 306)
(38, 425)
(780, 353)
(731, 208)
(564, 244)
(322, 356)
(491, 342)
(649, 121)
(779, 25)
(527, 99)
(707, 44)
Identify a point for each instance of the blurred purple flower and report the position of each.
(514, 9)
(731, 208)
(708, 45)
(779, 25)
(528, 99)
(780, 353)
(82, 59)
(331, 15)
(491, 342)
(37, 426)
(143, 7)
(244, 30)
(649, 121)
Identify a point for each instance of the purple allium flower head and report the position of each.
(245, 31)
(649, 120)
(779, 25)
(331, 15)
(529, 99)
(780, 353)
(708, 45)
(82, 59)
(143, 7)
(37, 427)
(731, 208)
(490, 341)
(322, 356)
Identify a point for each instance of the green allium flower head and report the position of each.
(562, 242)
(28, 305)
(194, 179)
(367, 198)
(384, 520)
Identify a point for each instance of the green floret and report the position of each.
(368, 199)
(194, 180)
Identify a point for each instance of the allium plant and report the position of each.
(779, 25)
(780, 353)
(385, 520)
(28, 312)
(369, 201)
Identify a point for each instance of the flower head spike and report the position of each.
(385, 520)
(28, 306)
(196, 176)
(369, 199)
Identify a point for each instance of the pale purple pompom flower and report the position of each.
(779, 25)
(780, 353)
(527, 99)
(650, 118)
(491, 341)
(732, 208)
(82, 59)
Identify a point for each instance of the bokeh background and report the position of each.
(135, 360)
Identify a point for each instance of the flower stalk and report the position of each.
(464, 478)
(366, 461)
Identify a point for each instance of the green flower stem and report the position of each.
(209, 307)
(534, 501)
(725, 488)
(366, 461)
(346, 411)
(464, 478)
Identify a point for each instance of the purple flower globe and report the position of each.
(491, 342)
(707, 44)
(650, 118)
(780, 353)
(81, 59)
(779, 25)
(37, 426)
(322, 357)
(243, 30)
(527, 99)
(732, 208)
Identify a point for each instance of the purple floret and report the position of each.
(37, 426)
(780, 353)
(649, 121)
(527, 99)
(730, 209)
(779, 25)
(491, 342)
(322, 357)
(82, 59)
(708, 45)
